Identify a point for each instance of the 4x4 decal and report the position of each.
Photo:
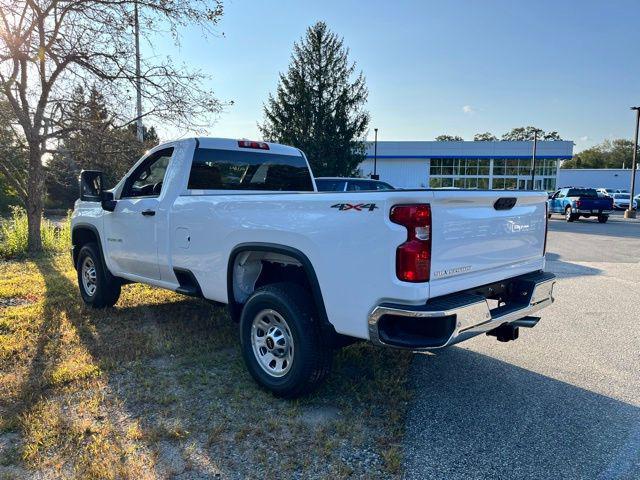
(355, 206)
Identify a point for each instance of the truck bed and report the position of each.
(351, 242)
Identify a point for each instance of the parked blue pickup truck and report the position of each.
(574, 203)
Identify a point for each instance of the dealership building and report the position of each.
(483, 165)
(616, 178)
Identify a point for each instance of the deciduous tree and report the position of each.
(527, 134)
(47, 47)
(449, 138)
(484, 137)
(609, 154)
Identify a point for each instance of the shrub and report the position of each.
(14, 234)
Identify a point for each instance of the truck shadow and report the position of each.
(564, 269)
(474, 416)
(173, 388)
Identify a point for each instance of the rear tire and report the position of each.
(569, 217)
(98, 288)
(603, 218)
(282, 341)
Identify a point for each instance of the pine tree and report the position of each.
(93, 144)
(319, 105)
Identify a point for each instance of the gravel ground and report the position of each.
(561, 402)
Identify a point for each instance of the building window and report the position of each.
(549, 184)
(506, 174)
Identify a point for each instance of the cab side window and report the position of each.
(146, 180)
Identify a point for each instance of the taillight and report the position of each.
(253, 144)
(413, 257)
(578, 203)
(546, 227)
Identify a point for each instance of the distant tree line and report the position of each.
(515, 134)
(609, 154)
(616, 153)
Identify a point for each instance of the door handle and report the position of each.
(148, 213)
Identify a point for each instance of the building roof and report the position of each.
(505, 149)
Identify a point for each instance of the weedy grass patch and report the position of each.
(156, 387)
(14, 234)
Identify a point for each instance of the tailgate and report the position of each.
(595, 203)
(477, 237)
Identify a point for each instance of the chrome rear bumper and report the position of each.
(447, 320)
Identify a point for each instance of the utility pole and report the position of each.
(533, 159)
(136, 28)
(375, 175)
(631, 212)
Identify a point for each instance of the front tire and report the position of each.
(569, 217)
(98, 288)
(282, 340)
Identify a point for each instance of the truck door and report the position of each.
(556, 206)
(131, 229)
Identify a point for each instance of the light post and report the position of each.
(631, 212)
(533, 159)
(136, 28)
(375, 175)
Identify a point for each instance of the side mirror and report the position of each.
(91, 190)
(91, 185)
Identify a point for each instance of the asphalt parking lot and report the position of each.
(563, 401)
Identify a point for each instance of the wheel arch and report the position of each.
(81, 234)
(274, 248)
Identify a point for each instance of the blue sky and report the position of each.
(432, 67)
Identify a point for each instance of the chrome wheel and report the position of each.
(89, 276)
(272, 343)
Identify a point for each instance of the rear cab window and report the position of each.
(219, 169)
(330, 185)
(582, 192)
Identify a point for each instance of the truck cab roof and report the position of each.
(238, 144)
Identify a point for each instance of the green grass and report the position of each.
(123, 392)
(14, 234)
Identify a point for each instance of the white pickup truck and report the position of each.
(242, 223)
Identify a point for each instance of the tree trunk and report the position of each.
(35, 198)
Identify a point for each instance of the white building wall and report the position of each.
(399, 172)
(597, 178)
(406, 164)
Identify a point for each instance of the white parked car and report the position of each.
(609, 192)
(242, 223)
(341, 184)
(621, 201)
(605, 192)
